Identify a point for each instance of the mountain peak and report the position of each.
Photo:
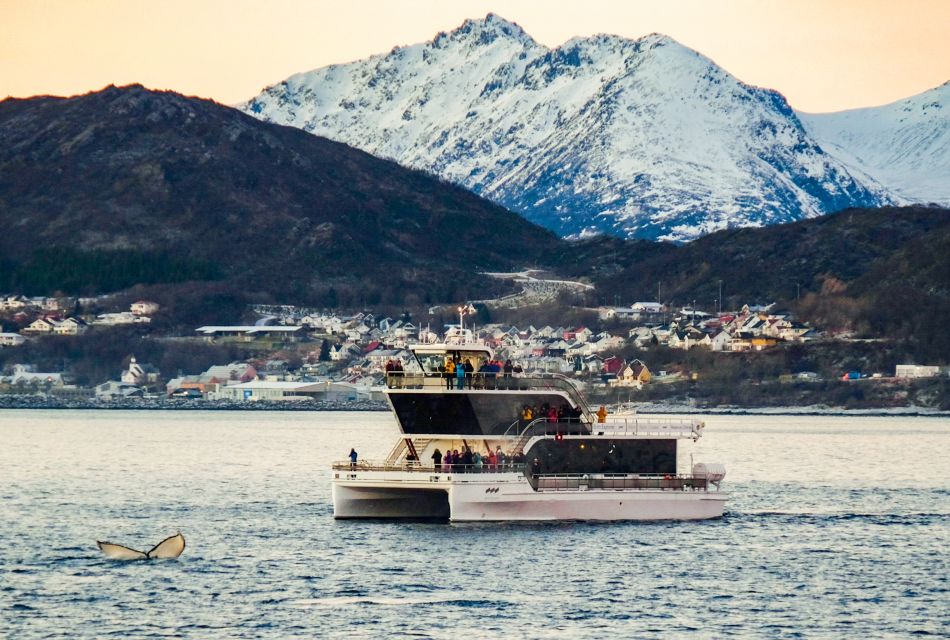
(488, 29)
(643, 138)
(660, 40)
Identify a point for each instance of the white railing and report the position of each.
(679, 428)
(414, 466)
(618, 482)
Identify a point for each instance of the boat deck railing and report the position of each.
(663, 427)
(546, 481)
(619, 426)
(417, 467)
(618, 482)
(477, 380)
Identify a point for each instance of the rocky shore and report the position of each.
(163, 403)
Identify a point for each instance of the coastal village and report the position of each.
(307, 355)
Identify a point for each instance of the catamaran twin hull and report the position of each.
(511, 496)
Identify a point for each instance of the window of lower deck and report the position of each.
(606, 456)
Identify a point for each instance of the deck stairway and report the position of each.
(406, 446)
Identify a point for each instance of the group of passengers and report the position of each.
(472, 461)
(460, 373)
(394, 372)
(550, 413)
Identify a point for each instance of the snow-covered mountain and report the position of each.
(904, 145)
(642, 138)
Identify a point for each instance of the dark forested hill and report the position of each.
(126, 185)
(781, 262)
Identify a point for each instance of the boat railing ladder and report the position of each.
(575, 394)
(405, 446)
(399, 449)
(527, 432)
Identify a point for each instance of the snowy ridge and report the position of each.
(642, 138)
(904, 145)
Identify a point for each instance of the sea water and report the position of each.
(836, 527)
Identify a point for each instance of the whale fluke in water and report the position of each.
(170, 547)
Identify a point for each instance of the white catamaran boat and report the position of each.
(565, 464)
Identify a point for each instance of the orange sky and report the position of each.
(823, 55)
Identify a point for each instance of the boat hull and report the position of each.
(509, 497)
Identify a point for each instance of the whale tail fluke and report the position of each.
(170, 547)
(118, 552)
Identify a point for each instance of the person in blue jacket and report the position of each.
(459, 374)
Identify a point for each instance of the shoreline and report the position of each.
(812, 410)
(183, 404)
(15, 402)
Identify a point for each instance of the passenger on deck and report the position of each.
(535, 467)
(527, 415)
(467, 459)
(552, 415)
(492, 460)
(437, 460)
(477, 461)
(480, 382)
(353, 458)
(459, 374)
(449, 373)
(469, 372)
(493, 368)
(389, 373)
(398, 372)
(500, 456)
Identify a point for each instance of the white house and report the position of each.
(122, 317)
(12, 303)
(342, 352)
(26, 374)
(114, 389)
(11, 339)
(40, 325)
(722, 341)
(249, 333)
(140, 373)
(258, 390)
(143, 307)
(70, 327)
(916, 371)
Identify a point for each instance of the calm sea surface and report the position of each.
(838, 527)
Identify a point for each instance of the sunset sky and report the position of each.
(823, 55)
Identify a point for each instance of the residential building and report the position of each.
(70, 327)
(114, 389)
(140, 373)
(40, 326)
(143, 307)
(120, 318)
(916, 371)
(11, 339)
(244, 333)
